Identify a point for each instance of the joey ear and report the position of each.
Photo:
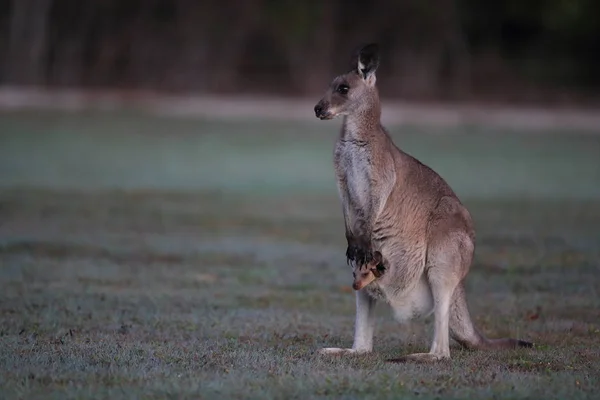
(366, 61)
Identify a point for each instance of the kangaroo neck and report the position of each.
(362, 125)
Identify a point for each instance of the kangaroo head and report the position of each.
(355, 90)
(367, 273)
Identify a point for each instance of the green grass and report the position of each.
(208, 262)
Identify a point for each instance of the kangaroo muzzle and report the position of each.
(322, 110)
(362, 279)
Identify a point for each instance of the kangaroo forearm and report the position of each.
(362, 232)
(359, 241)
(359, 229)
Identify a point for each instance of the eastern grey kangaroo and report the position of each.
(394, 204)
(367, 273)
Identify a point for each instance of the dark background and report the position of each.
(518, 51)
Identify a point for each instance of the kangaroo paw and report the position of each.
(364, 254)
(351, 253)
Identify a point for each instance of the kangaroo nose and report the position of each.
(318, 110)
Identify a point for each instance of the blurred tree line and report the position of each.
(432, 49)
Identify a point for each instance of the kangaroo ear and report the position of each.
(366, 61)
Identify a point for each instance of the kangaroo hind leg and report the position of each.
(444, 273)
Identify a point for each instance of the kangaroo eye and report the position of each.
(343, 89)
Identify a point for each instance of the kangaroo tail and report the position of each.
(466, 334)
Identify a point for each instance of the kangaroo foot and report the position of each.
(340, 351)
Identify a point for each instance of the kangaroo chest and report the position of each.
(354, 172)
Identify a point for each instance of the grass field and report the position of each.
(157, 258)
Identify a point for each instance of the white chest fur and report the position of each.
(354, 170)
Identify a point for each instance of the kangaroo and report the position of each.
(396, 205)
(367, 273)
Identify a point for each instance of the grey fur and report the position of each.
(394, 204)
